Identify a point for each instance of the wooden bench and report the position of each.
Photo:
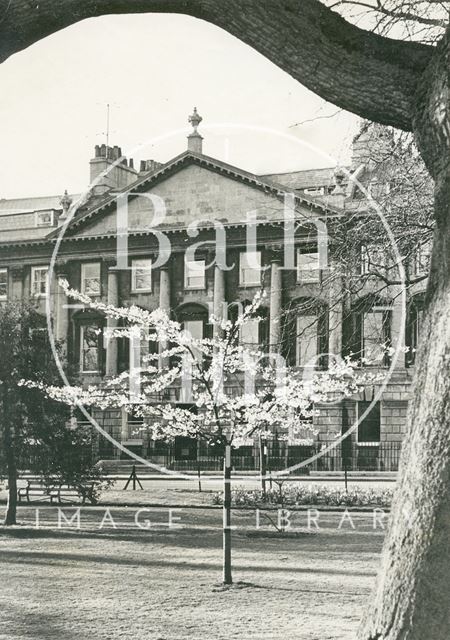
(56, 494)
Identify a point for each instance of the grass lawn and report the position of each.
(164, 584)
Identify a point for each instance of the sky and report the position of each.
(152, 70)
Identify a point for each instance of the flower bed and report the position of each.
(311, 494)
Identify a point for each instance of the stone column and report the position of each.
(61, 306)
(275, 306)
(398, 323)
(219, 298)
(164, 302)
(335, 316)
(124, 435)
(113, 299)
(164, 288)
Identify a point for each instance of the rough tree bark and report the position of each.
(394, 83)
(11, 466)
(313, 44)
(412, 599)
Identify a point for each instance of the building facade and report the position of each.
(307, 314)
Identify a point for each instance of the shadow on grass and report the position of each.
(205, 536)
(241, 585)
(46, 557)
(35, 624)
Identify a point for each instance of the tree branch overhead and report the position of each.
(370, 75)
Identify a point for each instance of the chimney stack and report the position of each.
(148, 166)
(195, 139)
(118, 172)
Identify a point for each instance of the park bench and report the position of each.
(56, 494)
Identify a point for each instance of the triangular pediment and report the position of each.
(192, 188)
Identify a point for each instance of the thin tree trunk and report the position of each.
(262, 464)
(227, 577)
(11, 466)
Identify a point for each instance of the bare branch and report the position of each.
(396, 14)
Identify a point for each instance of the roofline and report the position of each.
(50, 240)
(199, 158)
(53, 195)
(285, 173)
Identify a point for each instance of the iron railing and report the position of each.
(279, 455)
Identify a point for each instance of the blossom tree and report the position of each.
(238, 393)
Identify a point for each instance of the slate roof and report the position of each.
(303, 179)
(23, 205)
(18, 220)
(298, 180)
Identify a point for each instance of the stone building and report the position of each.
(304, 314)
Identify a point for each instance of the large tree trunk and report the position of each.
(412, 597)
(383, 80)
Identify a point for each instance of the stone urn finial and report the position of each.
(65, 202)
(195, 120)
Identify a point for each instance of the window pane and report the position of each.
(374, 336)
(91, 270)
(141, 275)
(364, 260)
(308, 266)
(3, 283)
(196, 282)
(249, 333)
(307, 340)
(39, 280)
(194, 274)
(89, 349)
(143, 281)
(423, 257)
(44, 219)
(373, 258)
(90, 279)
(250, 268)
(195, 329)
(414, 320)
(369, 427)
